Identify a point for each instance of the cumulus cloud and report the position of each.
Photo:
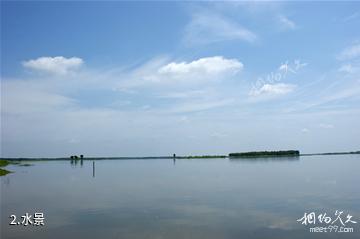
(207, 65)
(182, 74)
(272, 89)
(206, 28)
(286, 23)
(350, 52)
(178, 86)
(55, 65)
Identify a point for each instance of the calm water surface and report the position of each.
(199, 198)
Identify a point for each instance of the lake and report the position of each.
(197, 198)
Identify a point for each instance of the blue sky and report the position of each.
(156, 78)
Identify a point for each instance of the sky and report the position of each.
(191, 78)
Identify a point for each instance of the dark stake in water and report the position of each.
(182, 198)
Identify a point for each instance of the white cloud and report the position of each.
(170, 84)
(350, 52)
(272, 89)
(286, 23)
(183, 74)
(209, 28)
(55, 65)
(207, 65)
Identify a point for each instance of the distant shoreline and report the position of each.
(256, 154)
(176, 157)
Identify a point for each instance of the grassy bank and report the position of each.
(3, 172)
(4, 163)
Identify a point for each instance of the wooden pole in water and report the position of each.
(93, 169)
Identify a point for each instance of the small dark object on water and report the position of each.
(76, 157)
